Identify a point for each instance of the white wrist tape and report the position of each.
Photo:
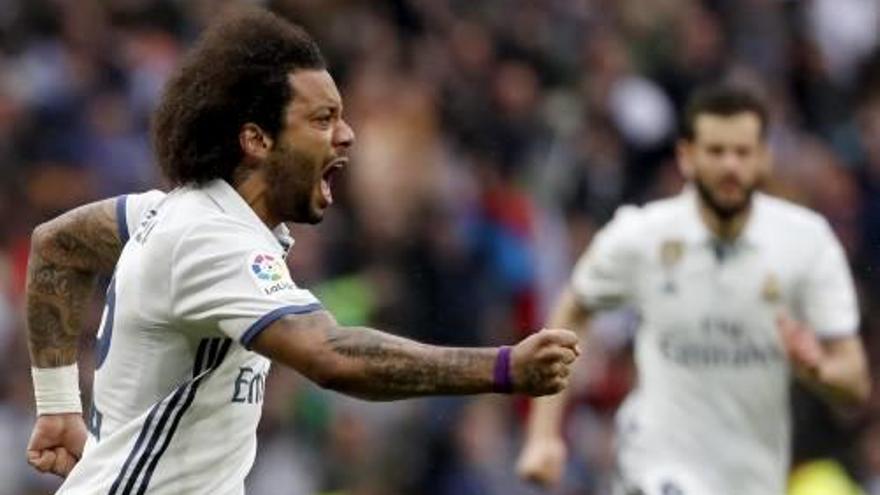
(57, 390)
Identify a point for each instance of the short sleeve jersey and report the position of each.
(710, 409)
(177, 390)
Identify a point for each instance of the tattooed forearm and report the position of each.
(375, 365)
(382, 366)
(54, 317)
(67, 255)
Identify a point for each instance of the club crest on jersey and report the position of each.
(270, 273)
(771, 291)
(671, 252)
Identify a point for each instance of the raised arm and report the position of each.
(374, 365)
(543, 455)
(67, 256)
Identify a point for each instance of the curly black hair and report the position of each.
(236, 73)
(724, 100)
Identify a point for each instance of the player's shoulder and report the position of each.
(191, 218)
(656, 214)
(636, 227)
(151, 196)
(664, 210)
(780, 215)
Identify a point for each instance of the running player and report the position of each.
(735, 289)
(251, 132)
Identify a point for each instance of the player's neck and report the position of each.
(727, 228)
(253, 191)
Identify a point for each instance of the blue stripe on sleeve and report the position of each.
(121, 220)
(251, 333)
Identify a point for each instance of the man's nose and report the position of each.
(343, 135)
(730, 162)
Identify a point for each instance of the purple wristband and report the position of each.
(503, 382)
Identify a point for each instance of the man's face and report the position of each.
(727, 160)
(311, 147)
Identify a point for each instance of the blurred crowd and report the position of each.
(494, 138)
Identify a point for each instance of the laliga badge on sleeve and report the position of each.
(270, 273)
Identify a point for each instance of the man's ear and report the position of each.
(254, 142)
(684, 151)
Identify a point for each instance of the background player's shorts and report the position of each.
(662, 480)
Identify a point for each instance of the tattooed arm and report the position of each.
(374, 365)
(67, 255)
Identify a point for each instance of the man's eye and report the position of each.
(744, 152)
(715, 150)
(324, 120)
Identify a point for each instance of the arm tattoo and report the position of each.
(67, 255)
(383, 366)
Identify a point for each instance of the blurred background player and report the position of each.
(250, 131)
(734, 289)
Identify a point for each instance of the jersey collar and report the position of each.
(228, 199)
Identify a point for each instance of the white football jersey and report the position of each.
(177, 392)
(710, 412)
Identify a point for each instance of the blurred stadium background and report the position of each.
(494, 138)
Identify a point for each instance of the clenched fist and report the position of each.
(57, 443)
(542, 460)
(540, 364)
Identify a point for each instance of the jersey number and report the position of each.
(94, 421)
(102, 344)
(102, 347)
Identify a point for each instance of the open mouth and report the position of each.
(327, 176)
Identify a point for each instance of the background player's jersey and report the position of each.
(710, 413)
(177, 393)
